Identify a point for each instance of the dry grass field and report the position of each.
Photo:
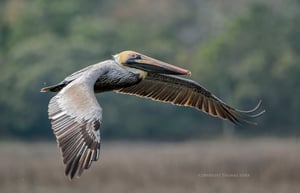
(226, 166)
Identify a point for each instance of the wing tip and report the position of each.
(75, 169)
(248, 116)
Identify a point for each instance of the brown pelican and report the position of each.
(76, 115)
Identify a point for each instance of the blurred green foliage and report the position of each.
(242, 57)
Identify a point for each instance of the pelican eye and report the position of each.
(134, 56)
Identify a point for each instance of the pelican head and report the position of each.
(145, 63)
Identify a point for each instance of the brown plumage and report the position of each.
(185, 92)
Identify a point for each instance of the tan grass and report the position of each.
(263, 165)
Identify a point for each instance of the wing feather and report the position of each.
(185, 92)
(76, 118)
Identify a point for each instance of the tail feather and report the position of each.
(54, 88)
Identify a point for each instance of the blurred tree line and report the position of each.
(241, 51)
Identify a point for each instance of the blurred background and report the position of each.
(241, 50)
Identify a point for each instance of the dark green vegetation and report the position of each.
(241, 51)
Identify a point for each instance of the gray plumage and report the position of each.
(76, 115)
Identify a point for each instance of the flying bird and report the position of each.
(76, 115)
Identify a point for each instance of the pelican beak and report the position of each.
(149, 64)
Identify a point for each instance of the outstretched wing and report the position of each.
(76, 117)
(185, 92)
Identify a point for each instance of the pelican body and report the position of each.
(76, 115)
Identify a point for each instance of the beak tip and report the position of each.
(186, 72)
